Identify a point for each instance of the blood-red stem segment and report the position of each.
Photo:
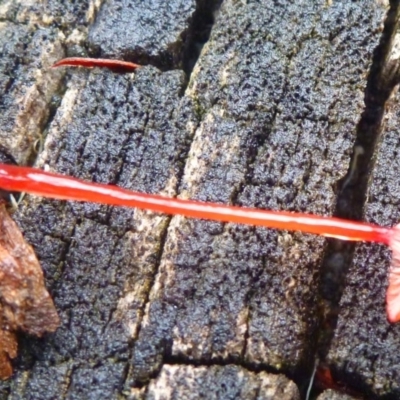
(96, 62)
(57, 186)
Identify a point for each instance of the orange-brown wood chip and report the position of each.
(25, 303)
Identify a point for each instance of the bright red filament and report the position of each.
(56, 186)
(62, 187)
(96, 62)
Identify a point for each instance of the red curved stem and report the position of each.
(96, 62)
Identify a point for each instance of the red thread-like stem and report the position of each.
(62, 187)
(56, 186)
(96, 62)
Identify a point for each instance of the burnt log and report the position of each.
(256, 104)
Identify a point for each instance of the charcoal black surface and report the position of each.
(219, 382)
(152, 32)
(63, 14)
(267, 118)
(88, 259)
(33, 36)
(364, 349)
(25, 93)
(276, 133)
(333, 395)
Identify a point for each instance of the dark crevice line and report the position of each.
(261, 139)
(199, 32)
(352, 189)
(146, 301)
(5, 389)
(124, 378)
(248, 298)
(55, 288)
(193, 38)
(122, 156)
(220, 362)
(68, 377)
(12, 20)
(6, 158)
(70, 373)
(251, 156)
(163, 239)
(255, 368)
(53, 107)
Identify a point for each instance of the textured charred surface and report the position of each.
(154, 31)
(67, 15)
(33, 36)
(268, 120)
(100, 262)
(26, 85)
(165, 34)
(228, 382)
(332, 395)
(275, 140)
(363, 351)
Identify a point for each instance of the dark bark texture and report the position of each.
(273, 104)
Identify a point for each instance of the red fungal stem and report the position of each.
(46, 184)
(96, 62)
(51, 185)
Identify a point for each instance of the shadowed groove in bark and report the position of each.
(256, 368)
(68, 245)
(53, 107)
(169, 359)
(201, 26)
(176, 46)
(146, 301)
(67, 388)
(352, 189)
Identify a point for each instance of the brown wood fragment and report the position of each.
(8, 348)
(25, 303)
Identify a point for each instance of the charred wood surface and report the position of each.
(279, 105)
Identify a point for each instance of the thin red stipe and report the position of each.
(57, 186)
(96, 62)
